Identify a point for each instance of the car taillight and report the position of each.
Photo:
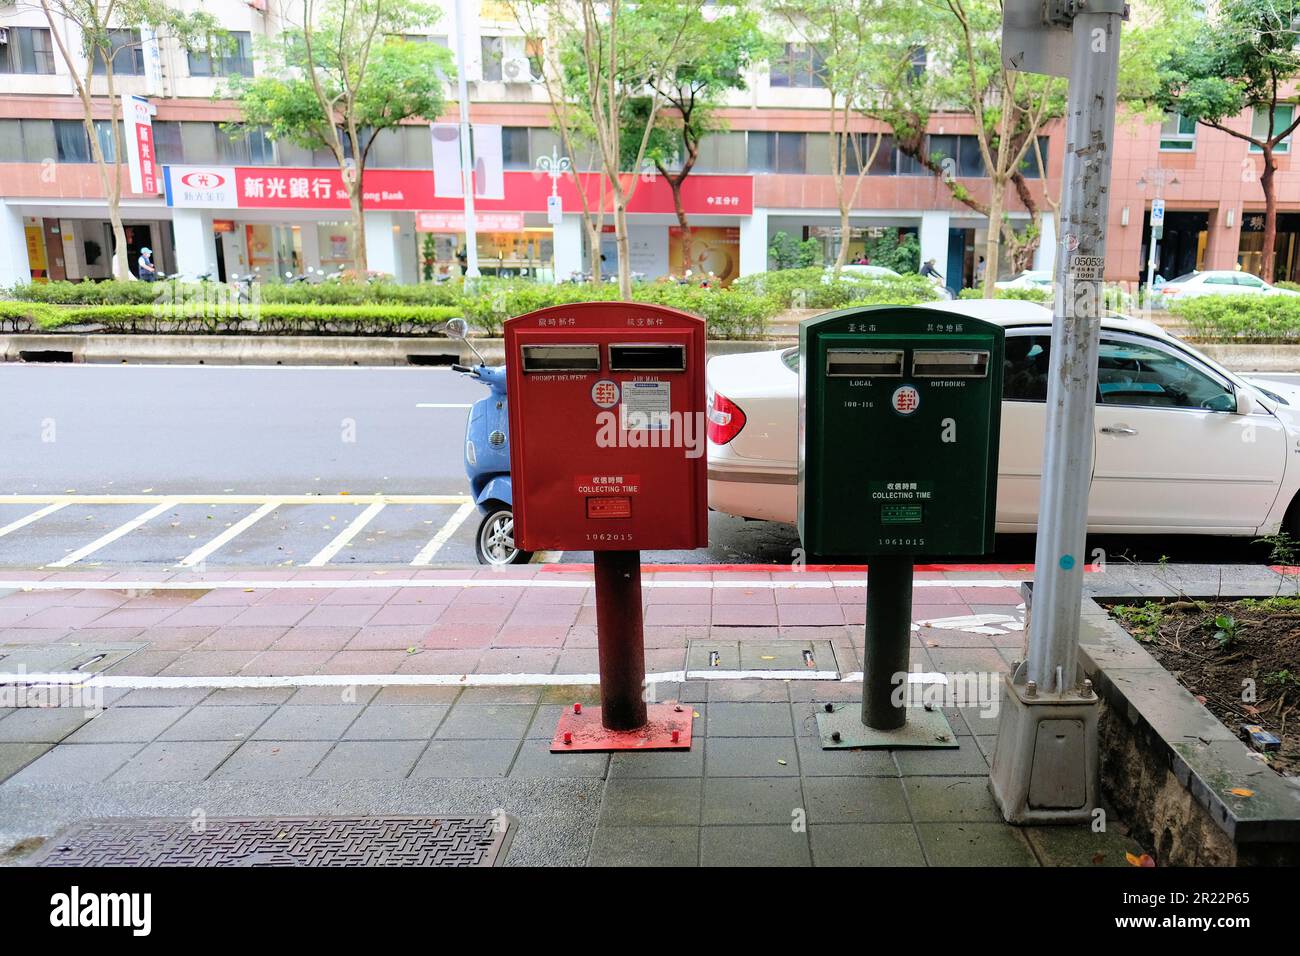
(725, 418)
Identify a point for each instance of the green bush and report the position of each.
(88, 293)
(272, 319)
(1241, 318)
(810, 289)
(1041, 296)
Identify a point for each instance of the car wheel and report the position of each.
(495, 541)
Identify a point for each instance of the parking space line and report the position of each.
(236, 529)
(34, 516)
(346, 535)
(235, 499)
(113, 535)
(444, 534)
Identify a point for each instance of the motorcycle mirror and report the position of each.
(457, 328)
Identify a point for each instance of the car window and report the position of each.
(1220, 280)
(1246, 279)
(1129, 373)
(1024, 368)
(1185, 277)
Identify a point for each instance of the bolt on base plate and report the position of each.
(667, 727)
(841, 728)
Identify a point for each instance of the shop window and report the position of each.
(799, 65)
(514, 147)
(232, 55)
(29, 50)
(124, 49)
(1260, 129)
(1177, 133)
(493, 54)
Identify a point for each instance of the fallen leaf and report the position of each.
(1241, 792)
(1143, 860)
(1098, 859)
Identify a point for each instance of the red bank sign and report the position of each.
(269, 187)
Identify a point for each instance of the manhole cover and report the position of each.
(282, 841)
(811, 660)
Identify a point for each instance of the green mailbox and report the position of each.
(898, 432)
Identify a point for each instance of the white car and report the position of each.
(1029, 279)
(1182, 445)
(1218, 282)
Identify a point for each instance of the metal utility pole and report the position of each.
(1044, 698)
(466, 153)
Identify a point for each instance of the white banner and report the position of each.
(489, 166)
(202, 187)
(446, 160)
(141, 161)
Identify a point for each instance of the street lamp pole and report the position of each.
(466, 155)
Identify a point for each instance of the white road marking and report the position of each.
(977, 623)
(444, 534)
(236, 529)
(346, 535)
(34, 516)
(133, 682)
(237, 499)
(113, 535)
(557, 580)
(443, 405)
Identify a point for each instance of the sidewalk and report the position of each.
(389, 692)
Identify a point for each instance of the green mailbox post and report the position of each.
(898, 458)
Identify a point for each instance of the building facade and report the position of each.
(247, 205)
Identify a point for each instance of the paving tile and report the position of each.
(751, 757)
(250, 696)
(757, 719)
(1081, 846)
(273, 760)
(747, 690)
(124, 725)
(487, 721)
(188, 761)
(331, 696)
(385, 722)
(967, 759)
(219, 722)
(645, 846)
(652, 801)
(751, 800)
(753, 846)
(536, 760)
(466, 758)
(405, 696)
(163, 697)
(975, 844)
(661, 763)
(41, 724)
(369, 760)
(950, 799)
(816, 762)
(76, 764)
(855, 800)
(866, 844)
(15, 756)
(308, 722)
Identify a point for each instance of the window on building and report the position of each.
(167, 144)
(231, 55)
(970, 162)
(1177, 133)
(251, 146)
(919, 61)
(1030, 168)
(29, 51)
(942, 150)
(1260, 129)
(514, 147)
(885, 162)
(72, 145)
(493, 53)
(791, 152)
(124, 49)
(798, 65)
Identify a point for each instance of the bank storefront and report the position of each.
(277, 224)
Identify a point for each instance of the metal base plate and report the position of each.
(282, 841)
(924, 728)
(588, 734)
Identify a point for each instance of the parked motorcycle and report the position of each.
(487, 459)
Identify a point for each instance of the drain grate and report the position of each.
(282, 841)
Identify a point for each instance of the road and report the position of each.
(378, 450)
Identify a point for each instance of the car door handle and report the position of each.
(1118, 430)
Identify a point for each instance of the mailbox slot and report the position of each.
(561, 358)
(868, 363)
(949, 363)
(649, 357)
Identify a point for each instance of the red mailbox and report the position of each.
(607, 428)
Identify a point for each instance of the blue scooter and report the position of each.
(487, 459)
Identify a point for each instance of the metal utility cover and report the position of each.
(806, 660)
(282, 841)
(924, 729)
(1056, 780)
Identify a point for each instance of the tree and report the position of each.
(104, 32)
(341, 76)
(1244, 58)
(715, 55)
(787, 252)
(861, 52)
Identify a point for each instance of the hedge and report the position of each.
(1249, 318)
(810, 289)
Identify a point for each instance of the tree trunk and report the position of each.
(1270, 215)
(676, 183)
(992, 243)
(620, 241)
(846, 233)
(359, 263)
(593, 249)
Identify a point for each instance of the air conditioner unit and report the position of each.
(517, 69)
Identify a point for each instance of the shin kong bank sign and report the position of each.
(272, 187)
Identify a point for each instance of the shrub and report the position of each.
(810, 289)
(1041, 296)
(115, 292)
(1241, 318)
(268, 319)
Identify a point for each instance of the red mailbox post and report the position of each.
(607, 436)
